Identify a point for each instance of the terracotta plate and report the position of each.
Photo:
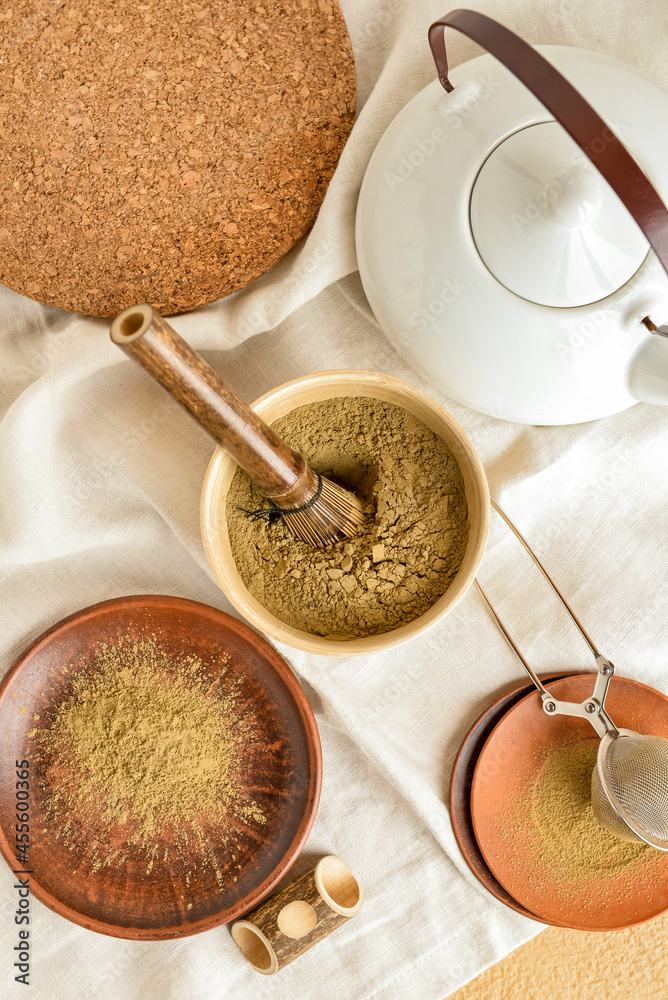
(460, 791)
(237, 862)
(508, 770)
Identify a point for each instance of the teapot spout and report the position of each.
(648, 372)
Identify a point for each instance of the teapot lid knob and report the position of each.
(547, 225)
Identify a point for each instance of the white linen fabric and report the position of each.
(101, 475)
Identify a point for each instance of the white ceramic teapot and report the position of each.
(512, 240)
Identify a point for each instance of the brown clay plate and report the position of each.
(506, 773)
(460, 791)
(237, 863)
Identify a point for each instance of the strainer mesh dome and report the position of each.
(637, 768)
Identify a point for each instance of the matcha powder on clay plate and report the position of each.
(145, 750)
(410, 548)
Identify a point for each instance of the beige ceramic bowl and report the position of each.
(326, 385)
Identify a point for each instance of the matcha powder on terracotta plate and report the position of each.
(144, 750)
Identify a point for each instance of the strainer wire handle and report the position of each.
(532, 674)
(592, 708)
(578, 624)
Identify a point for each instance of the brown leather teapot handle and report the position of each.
(569, 108)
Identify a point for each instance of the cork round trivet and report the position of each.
(164, 152)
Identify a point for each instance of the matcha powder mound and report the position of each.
(574, 846)
(146, 750)
(410, 549)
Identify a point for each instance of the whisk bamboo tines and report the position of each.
(316, 510)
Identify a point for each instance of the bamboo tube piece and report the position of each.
(303, 913)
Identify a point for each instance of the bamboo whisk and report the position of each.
(316, 510)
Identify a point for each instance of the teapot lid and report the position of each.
(547, 224)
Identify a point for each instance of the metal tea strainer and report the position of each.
(629, 786)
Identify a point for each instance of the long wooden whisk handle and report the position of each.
(147, 338)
